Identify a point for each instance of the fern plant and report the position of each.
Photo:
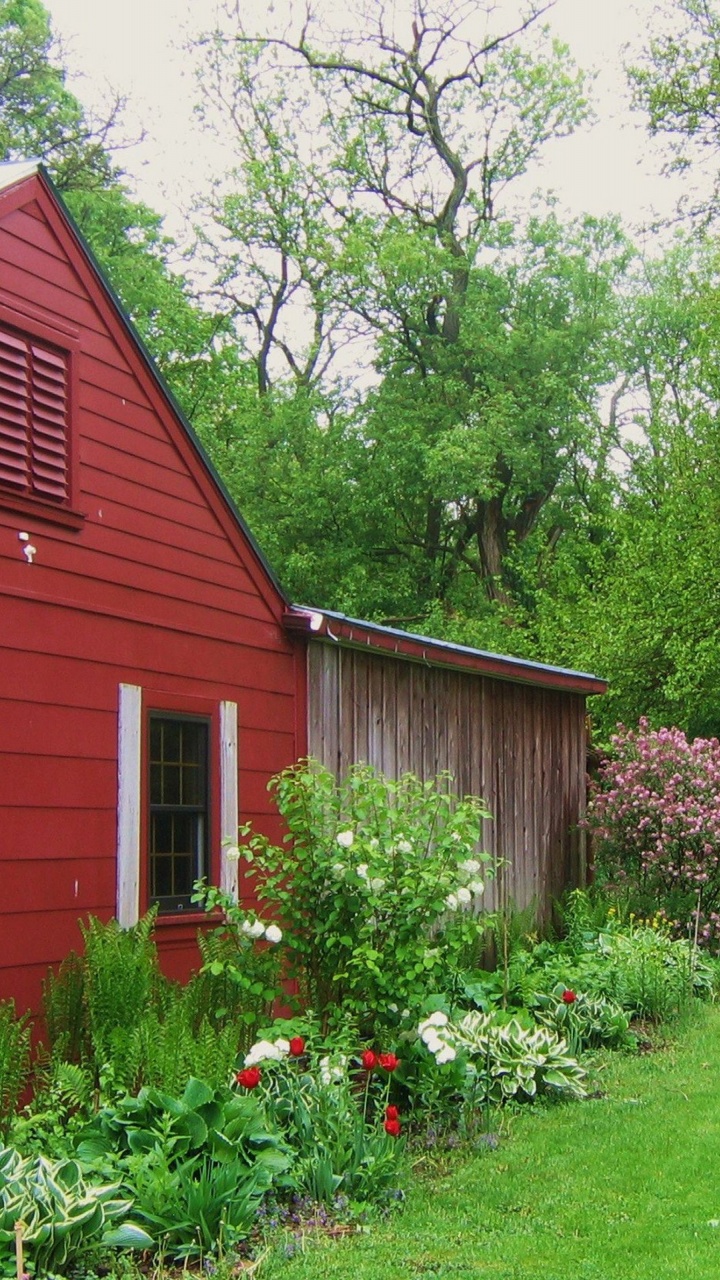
(121, 981)
(64, 1009)
(14, 1060)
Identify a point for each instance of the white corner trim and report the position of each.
(229, 805)
(127, 905)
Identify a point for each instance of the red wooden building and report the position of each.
(153, 676)
(142, 645)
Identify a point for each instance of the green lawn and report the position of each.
(623, 1187)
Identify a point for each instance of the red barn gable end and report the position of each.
(144, 665)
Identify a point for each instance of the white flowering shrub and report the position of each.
(378, 886)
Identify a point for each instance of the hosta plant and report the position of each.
(585, 1021)
(60, 1213)
(502, 1059)
(196, 1165)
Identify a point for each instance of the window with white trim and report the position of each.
(177, 800)
(34, 417)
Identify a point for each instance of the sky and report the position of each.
(137, 49)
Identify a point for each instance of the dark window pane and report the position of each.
(178, 808)
(155, 783)
(170, 791)
(172, 737)
(161, 877)
(191, 788)
(192, 743)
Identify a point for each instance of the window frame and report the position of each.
(135, 706)
(199, 813)
(28, 325)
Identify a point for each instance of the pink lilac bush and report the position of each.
(655, 811)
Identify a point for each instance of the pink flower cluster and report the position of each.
(655, 810)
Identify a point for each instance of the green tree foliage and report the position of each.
(425, 375)
(639, 604)
(676, 84)
(41, 119)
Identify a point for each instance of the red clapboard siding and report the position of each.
(42, 938)
(53, 782)
(144, 647)
(124, 449)
(29, 230)
(107, 576)
(159, 588)
(61, 734)
(37, 261)
(53, 299)
(72, 884)
(25, 832)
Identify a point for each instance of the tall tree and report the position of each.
(363, 258)
(641, 608)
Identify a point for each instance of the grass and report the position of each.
(621, 1187)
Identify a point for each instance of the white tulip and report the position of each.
(262, 1051)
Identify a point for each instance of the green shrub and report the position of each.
(377, 886)
(196, 1165)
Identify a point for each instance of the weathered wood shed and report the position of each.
(511, 731)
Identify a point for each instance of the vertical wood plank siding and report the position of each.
(521, 748)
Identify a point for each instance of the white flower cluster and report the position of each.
(267, 1051)
(346, 839)
(332, 1069)
(255, 929)
(434, 1035)
(463, 896)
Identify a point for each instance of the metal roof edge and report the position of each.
(328, 624)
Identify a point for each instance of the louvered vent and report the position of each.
(33, 418)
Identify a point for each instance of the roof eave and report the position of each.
(354, 633)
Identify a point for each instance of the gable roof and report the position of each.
(16, 174)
